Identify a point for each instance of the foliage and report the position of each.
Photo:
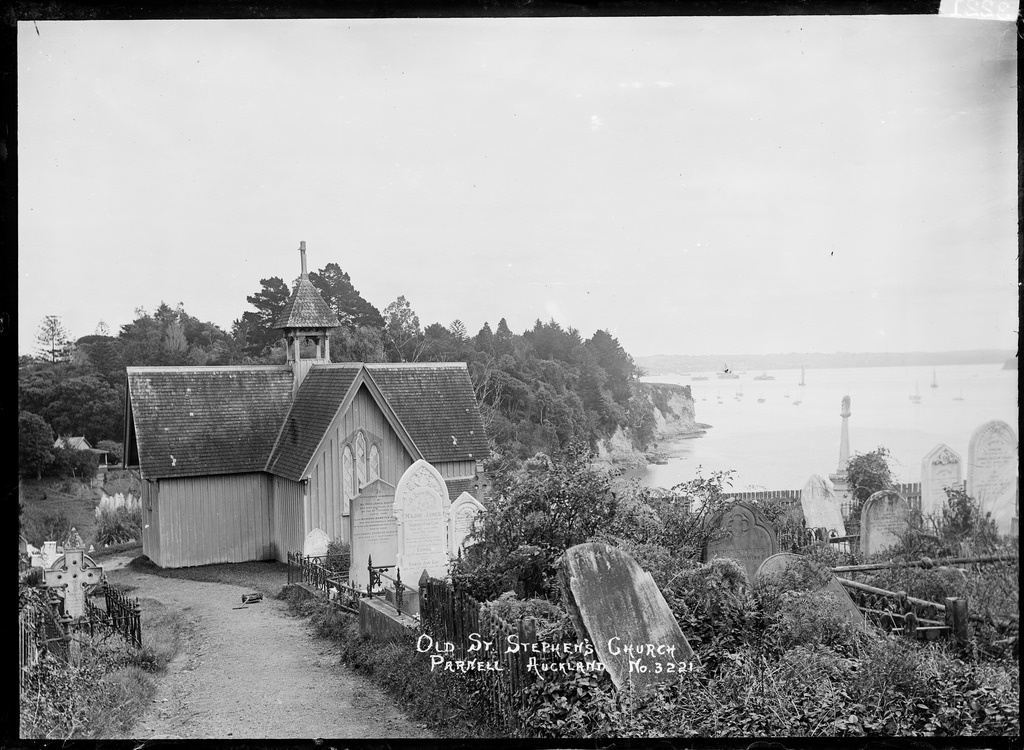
(538, 513)
(52, 337)
(867, 474)
(339, 555)
(51, 527)
(35, 444)
(69, 462)
(118, 519)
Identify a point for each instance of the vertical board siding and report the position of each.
(289, 518)
(215, 519)
(325, 502)
(457, 469)
(151, 520)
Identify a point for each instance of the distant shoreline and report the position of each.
(681, 364)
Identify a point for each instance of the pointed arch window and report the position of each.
(360, 461)
(374, 463)
(346, 479)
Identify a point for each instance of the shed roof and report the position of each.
(191, 421)
(320, 396)
(306, 308)
(437, 405)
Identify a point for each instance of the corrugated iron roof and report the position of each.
(320, 396)
(306, 309)
(192, 421)
(436, 404)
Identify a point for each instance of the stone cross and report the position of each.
(71, 578)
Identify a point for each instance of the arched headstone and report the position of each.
(992, 471)
(461, 515)
(421, 510)
(884, 518)
(940, 468)
(749, 537)
(821, 509)
(823, 580)
(315, 544)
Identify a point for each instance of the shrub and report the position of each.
(339, 556)
(53, 526)
(118, 519)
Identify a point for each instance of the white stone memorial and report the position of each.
(421, 510)
(461, 515)
(72, 575)
(992, 472)
(940, 468)
(884, 518)
(373, 531)
(315, 544)
(820, 506)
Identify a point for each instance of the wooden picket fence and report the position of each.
(451, 617)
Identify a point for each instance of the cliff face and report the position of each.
(674, 417)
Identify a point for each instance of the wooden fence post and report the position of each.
(956, 618)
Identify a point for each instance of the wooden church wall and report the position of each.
(325, 507)
(214, 519)
(150, 500)
(289, 527)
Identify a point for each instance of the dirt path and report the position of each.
(255, 672)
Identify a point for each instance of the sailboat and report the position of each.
(764, 376)
(727, 374)
(802, 375)
(934, 383)
(960, 397)
(916, 395)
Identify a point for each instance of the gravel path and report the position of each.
(255, 672)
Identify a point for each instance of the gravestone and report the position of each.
(940, 468)
(461, 515)
(315, 544)
(821, 579)
(821, 509)
(884, 518)
(421, 509)
(71, 576)
(992, 472)
(373, 531)
(615, 604)
(749, 537)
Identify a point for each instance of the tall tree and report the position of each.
(403, 338)
(257, 327)
(54, 342)
(336, 288)
(35, 444)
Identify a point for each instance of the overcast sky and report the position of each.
(692, 185)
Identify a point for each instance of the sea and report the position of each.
(774, 434)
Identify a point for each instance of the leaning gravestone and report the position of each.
(461, 515)
(884, 518)
(421, 509)
(940, 468)
(818, 576)
(992, 471)
(748, 537)
(315, 544)
(373, 531)
(821, 509)
(616, 604)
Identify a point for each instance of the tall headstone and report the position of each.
(884, 518)
(940, 468)
(615, 604)
(748, 537)
(373, 531)
(421, 509)
(992, 472)
(821, 509)
(461, 515)
(818, 577)
(315, 543)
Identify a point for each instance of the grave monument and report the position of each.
(940, 468)
(992, 472)
(748, 537)
(884, 518)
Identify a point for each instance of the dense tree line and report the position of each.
(539, 390)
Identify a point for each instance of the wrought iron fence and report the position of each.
(310, 570)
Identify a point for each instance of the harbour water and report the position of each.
(776, 433)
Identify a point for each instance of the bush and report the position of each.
(118, 519)
(339, 556)
(68, 462)
(54, 526)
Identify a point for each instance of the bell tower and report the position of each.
(306, 317)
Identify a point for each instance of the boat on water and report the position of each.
(761, 400)
(764, 376)
(699, 377)
(797, 402)
(727, 374)
(960, 397)
(935, 383)
(802, 376)
(916, 395)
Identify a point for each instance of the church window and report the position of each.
(346, 479)
(360, 460)
(374, 463)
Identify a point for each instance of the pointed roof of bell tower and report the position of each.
(306, 308)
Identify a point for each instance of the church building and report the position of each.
(240, 463)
